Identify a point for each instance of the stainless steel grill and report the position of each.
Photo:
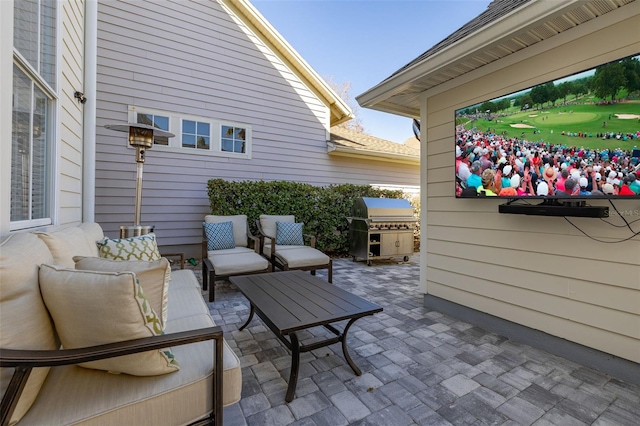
(381, 228)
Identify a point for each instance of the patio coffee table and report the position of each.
(291, 301)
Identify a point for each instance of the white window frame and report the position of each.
(51, 129)
(215, 138)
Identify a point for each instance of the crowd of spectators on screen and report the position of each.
(489, 164)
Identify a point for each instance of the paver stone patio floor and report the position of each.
(418, 367)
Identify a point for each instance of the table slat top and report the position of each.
(296, 300)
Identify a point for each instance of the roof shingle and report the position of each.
(361, 141)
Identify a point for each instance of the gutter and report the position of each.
(89, 112)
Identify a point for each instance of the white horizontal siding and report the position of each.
(538, 271)
(69, 149)
(194, 58)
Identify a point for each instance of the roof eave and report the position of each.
(378, 96)
(344, 151)
(340, 111)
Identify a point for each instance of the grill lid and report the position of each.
(388, 209)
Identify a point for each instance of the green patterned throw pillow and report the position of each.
(92, 308)
(143, 247)
(289, 234)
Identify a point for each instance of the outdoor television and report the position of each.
(576, 137)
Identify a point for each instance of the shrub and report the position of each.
(324, 210)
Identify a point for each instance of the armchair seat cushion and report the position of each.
(235, 261)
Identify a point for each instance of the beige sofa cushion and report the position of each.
(169, 399)
(67, 242)
(178, 398)
(94, 233)
(186, 292)
(154, 277)
(239, 226)
(20, 256)
(268, 223)
(93, 308)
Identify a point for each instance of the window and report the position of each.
(233, 139)
(33, 93)
(194, 134)
(157, 121)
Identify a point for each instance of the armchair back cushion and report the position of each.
(154, 278)
(24, 319)
(239, 227)
(94, 308)
(268, 223)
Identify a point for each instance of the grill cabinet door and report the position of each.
(396, 244)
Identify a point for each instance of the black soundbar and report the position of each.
(546, 209)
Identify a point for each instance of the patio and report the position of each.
(419, 367)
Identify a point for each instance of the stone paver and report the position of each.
(419, 367)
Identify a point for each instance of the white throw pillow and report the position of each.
(94, 308)
(154, 278)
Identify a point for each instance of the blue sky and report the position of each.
(365, 41)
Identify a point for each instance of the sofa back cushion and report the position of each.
(239, 226)
(24, 319)
(94, 233)
(268, 223)
(66, 243)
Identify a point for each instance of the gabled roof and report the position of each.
(350, 143)
(505, 27)
(340, 111)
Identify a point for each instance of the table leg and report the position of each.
(249, 320)
(345, 351)
(295, 367)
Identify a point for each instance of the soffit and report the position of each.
(506, 27)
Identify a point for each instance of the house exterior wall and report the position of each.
(197, 58)
(536, 271)
(65, 183)
(68, 195)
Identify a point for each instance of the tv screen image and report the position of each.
(574, 137)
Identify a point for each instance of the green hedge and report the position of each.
(324, 210)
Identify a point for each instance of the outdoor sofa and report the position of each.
(58, 392)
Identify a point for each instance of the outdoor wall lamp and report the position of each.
(141, 138)
(80, 97)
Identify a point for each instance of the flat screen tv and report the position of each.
(576, 137)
